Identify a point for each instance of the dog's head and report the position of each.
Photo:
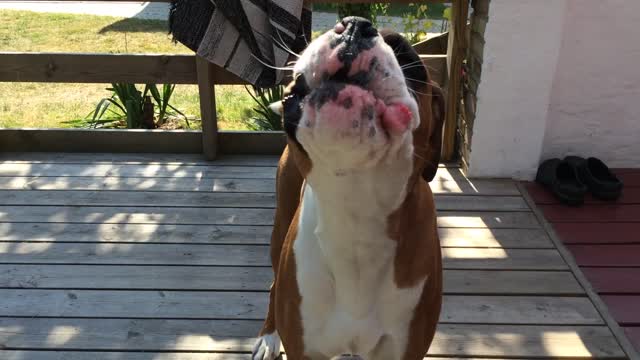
(361, 100)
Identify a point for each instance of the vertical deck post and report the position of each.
(456, 52)
(207, 93)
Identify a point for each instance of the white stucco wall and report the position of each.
(595, 99)
(520, 57)
(560, 77)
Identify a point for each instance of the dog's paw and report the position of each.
(267, 347)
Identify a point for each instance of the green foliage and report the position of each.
(265, 119)
(163, 103)
(447, 13)
(378, 10)
(367, 11)
(415, 22)
(415, 16)
(434, 12)
(134, 107)
(362, 10)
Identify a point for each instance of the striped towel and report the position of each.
(243, 35)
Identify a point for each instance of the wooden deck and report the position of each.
(165, 257)
(603, 238)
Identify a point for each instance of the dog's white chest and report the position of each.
(345, 275)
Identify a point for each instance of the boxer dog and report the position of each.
(355, 248)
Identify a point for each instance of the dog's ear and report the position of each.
(435, 137)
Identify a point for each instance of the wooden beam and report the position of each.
(437, 65)
(206, 89)
(138, 141)
(105, 68)
(83, 140)
(252, 142)
(456, 53)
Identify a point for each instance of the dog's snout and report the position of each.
(359, 27)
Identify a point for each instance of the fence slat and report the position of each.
(105, 68)
(206, 80)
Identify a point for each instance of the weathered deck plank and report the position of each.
(179, 170)
(253, 306)
(247, 255)
(475, 187)
(527, 341)
(134, 170)
(230, 216)
(135, 159)
(85, 355)
(112, 183)
(131, 277)
(222, 234)
(221, 199)
(135, 233)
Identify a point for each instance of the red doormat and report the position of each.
(604, 238)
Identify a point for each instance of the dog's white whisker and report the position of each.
(419, 157)
(283, 45)
(413, 66)
(421, 93)
(406, 66)
(271, 66)
(418, 81)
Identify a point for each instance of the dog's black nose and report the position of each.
(359, 27)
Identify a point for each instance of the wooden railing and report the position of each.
(176, 69)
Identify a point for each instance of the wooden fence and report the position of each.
(179, 69)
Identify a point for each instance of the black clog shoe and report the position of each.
(562, 180)
(602, 183)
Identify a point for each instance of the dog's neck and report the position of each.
(348, 214)
(359, 195)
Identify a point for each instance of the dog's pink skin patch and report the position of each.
(339, 28)
(347, 107)
(337, 115)
(396, 118)
(362, 62)
(332, 64)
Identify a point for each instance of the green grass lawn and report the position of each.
(61, 105)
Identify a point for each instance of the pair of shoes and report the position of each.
(571, 178)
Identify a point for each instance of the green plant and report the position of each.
(414, 17)
(446, 15)
(367, 11)
(415, 22)
(135, 107)
(265, 119)
(162, 100)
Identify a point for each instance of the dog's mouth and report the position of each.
(345, 102)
